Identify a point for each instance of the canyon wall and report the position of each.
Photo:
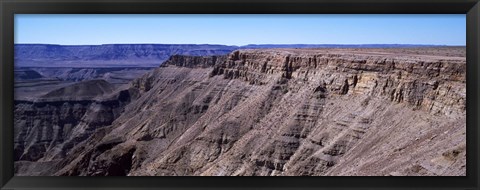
(108, 55)
(138, 55)
(49, 127)
(425, 82)
(282, 112)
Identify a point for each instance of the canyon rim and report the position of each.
(230, 111)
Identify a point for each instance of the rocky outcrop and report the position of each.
(86, 90)
(138, 55)
(433, 84)
(47, 55)
(47, 128)
(26, 74)
(111, 74)
(194, 61)
(284, 112)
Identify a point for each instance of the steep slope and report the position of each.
(85, 90)
(285, 112)
(26, 74)
(47, 129)
(111, 74)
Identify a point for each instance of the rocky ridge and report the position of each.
(108, 55)
(429, 83)
(280, 112)
(49, 127)
(142, 55)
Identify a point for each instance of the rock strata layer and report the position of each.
(262, 112)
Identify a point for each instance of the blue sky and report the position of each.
(240, 29)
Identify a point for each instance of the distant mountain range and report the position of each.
(142, 55)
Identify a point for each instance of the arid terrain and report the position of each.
(260, 112)
(31, 82)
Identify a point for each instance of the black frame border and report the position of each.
(10, 7)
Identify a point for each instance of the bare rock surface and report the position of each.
(111, 74)
(83, 90)
(108, 55)
(269, 112)
(26, 74)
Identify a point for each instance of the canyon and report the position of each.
(256, 112)
(40, 68)
(140, 55)
(107, 55)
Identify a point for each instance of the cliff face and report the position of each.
(47, 129)
(44, 55)
(140, 55)
(194, 61)
(285, 112)
(434, 84)
(80, 74)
